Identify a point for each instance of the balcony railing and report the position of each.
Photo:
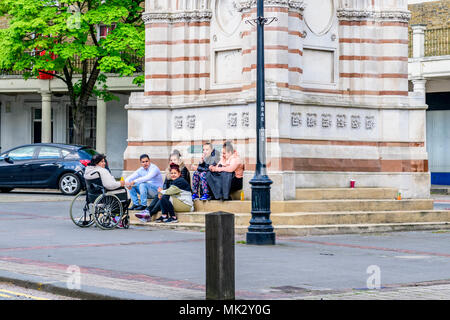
(437, 42)
(137, 61)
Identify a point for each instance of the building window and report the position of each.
(90, 118)
(36, 125)
(104, 30)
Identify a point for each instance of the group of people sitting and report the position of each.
(215, 177)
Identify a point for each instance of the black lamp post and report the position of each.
(260, 230)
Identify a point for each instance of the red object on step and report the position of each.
(352, 183)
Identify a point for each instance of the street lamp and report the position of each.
(260, 231)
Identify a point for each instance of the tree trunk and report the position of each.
(78, 125)
(80, 102)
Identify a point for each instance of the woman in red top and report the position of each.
(227, 176)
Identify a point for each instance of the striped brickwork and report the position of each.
(177, 55)
(372, 61)
(373, 50)
(283, 50)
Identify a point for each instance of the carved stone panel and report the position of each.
(190, 121)
(296, 119)
(370, 122)
(341, 121)
(232, 120)
(311, 120)
(228, 16)
(245, 119)
(326, 120)
(178, 122)
(228, 66)
(356, 122)
(319, 15)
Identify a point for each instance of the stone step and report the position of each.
(345, 193)
(328, 218)
(319, 205)
(281, 230)
(288, 230)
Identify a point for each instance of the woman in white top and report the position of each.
(97, 169)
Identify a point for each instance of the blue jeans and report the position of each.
(145, 190)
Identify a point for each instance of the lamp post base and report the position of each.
(261, 238)
(260, 231)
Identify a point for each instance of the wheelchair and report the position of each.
(97, 205)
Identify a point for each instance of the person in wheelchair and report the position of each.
(98, 177)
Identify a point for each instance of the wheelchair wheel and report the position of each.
(79, 211)
(126, 221)
(107, 211)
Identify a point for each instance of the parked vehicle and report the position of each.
(45, 165)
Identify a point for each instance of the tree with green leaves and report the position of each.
(61, 39)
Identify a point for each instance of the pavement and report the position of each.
(9, 291)
(40, 248)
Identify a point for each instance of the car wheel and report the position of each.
(69, 184)
(5, 190)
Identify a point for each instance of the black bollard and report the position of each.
(220, 282)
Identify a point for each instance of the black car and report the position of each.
(45, 165)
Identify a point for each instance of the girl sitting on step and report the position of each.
(177, 198)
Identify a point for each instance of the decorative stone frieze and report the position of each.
(297, 5)
(352, 14)
(174, 17)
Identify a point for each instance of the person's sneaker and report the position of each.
(134, 207)
(205, 197)
(173, 220)
(115, 220)
(161, 219)
(170, 220)
(144, 216)
(194, 196)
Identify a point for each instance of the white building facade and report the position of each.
(429, 75)
(24, 103)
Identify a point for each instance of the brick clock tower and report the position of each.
(337, 103)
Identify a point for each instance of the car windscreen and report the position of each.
(87, 153)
